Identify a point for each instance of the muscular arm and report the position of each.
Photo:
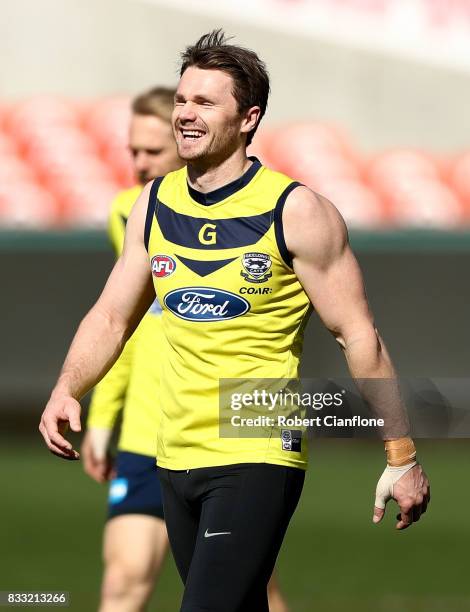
(325, 265)
(327, 269)
(102, 334)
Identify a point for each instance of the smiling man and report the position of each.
(205, 233)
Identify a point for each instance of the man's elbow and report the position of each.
(109, 321)
(364, 334)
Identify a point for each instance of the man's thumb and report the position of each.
(73, 414)
(378, 514)
(383, 493)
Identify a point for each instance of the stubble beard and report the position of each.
(214, 152)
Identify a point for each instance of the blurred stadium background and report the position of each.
(369, 106)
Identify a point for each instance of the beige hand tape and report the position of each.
(390, 476)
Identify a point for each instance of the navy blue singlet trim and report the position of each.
(184, 230)
(204, 268)
(213, 197)
(151, 209)
(278, 229)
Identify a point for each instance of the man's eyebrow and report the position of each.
(146, 149)
(201, 98)
(198, 98)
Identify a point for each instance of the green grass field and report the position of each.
(334, 559)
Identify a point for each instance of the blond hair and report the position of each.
(157, 102)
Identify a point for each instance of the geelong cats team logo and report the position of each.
(257, 266)
(162, 265)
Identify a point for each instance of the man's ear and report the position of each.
(250, 119)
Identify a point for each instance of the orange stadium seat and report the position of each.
(260, 147)
(7, 145)
(120, 161)
(62, 155)
(26, 205)
(303, 142)
(13, 169)
(3, 113)
(86, 204)
(390, 168)
(56, 109)
(425, 202)
(320, 168)
(360, 206)
(56, 170)
(459, 179)
(53, 136)
(108, 121)
(40, 111)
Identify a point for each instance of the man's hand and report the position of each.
(410, 490)
(60, 413)
(97, 463)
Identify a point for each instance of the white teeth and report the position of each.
(192, 133)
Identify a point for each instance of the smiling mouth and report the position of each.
(192, 134)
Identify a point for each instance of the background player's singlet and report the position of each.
(232, 308)
(133, 381)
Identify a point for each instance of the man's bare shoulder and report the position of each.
(312, 224)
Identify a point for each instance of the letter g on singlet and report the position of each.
(208, 234)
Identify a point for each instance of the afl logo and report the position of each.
(162, 265)
(257, 266)
(205, 304)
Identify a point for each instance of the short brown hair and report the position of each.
(157, 102)
(249, 73)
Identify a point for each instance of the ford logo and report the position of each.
(205, 304)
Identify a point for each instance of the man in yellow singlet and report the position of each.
(135, 538)
(237, 255)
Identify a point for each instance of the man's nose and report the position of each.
(187, 112)
(140, 160)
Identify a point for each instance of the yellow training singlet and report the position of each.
(132, 383)
(232, 308)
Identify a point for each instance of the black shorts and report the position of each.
(226, 525)
(136, 488)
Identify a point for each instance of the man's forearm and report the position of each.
(96, 346)
(370, 365)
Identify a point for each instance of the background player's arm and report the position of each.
(102, 334)
(324, 263)
(107, 401)
(110, 393)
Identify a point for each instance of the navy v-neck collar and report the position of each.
(213, 197)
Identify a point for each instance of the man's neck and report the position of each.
(212, 177)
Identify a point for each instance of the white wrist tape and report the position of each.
(100, 441)
(390, 476)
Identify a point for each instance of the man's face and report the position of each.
(153, 147)
(206, 121)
